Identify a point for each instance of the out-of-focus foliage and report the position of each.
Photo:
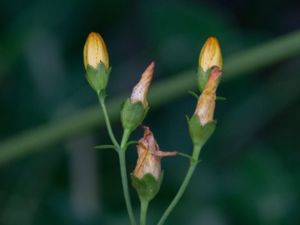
(250, 168)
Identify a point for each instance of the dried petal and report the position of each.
(149, 156)
(140, 91)
(207, 100)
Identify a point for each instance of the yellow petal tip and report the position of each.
(210, 54)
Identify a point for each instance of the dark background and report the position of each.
(250, 169)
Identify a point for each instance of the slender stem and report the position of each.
(125, 187)
(125, 138)
(101, 98)
(121, 149)
(187, 178)
(144, 209)
(122, 160)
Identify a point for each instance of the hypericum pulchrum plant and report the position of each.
(147, 175)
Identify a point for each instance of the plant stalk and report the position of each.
(185, 183)
(144, 210)
(121, 149)
(124, 178)
(101, 98)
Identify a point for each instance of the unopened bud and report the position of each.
(96, 62)
(140, 91)
(210, 55)
(95, 51)
(206, 103)
(149, 156)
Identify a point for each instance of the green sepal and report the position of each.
(147, 187)
(200, 134)
(131, 143)
(202, 78)
(132, 115)
(98, 77)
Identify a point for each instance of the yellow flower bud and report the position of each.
(95, 51)
(207, 100)
(140, 91)
(149, 156)
(210, 55)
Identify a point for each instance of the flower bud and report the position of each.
(210, 55)
(149, 156)
(96, 62)
(95, 51)
(207, 100)
(140, 91)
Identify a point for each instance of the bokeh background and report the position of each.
(250, 169)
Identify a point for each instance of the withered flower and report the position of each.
(207, 100)
(149, 156)
(140, 91)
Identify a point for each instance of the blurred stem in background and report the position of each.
(40, 138)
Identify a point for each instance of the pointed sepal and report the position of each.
(132, 115)
(98, 77)
(199, 133)
(147, 187)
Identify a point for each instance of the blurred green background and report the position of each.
(250, 169)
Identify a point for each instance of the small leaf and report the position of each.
(187, 118)
(147, 187)
(131, 143)
(184, 155)
(105, 147)
(221, 98)
(193, 94)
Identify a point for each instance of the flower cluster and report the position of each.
(147, 175)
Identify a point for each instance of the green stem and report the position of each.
(121, 149)
(125, 138)
(122, 160)
(187, 178)
(144, 209)
(101, 98)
